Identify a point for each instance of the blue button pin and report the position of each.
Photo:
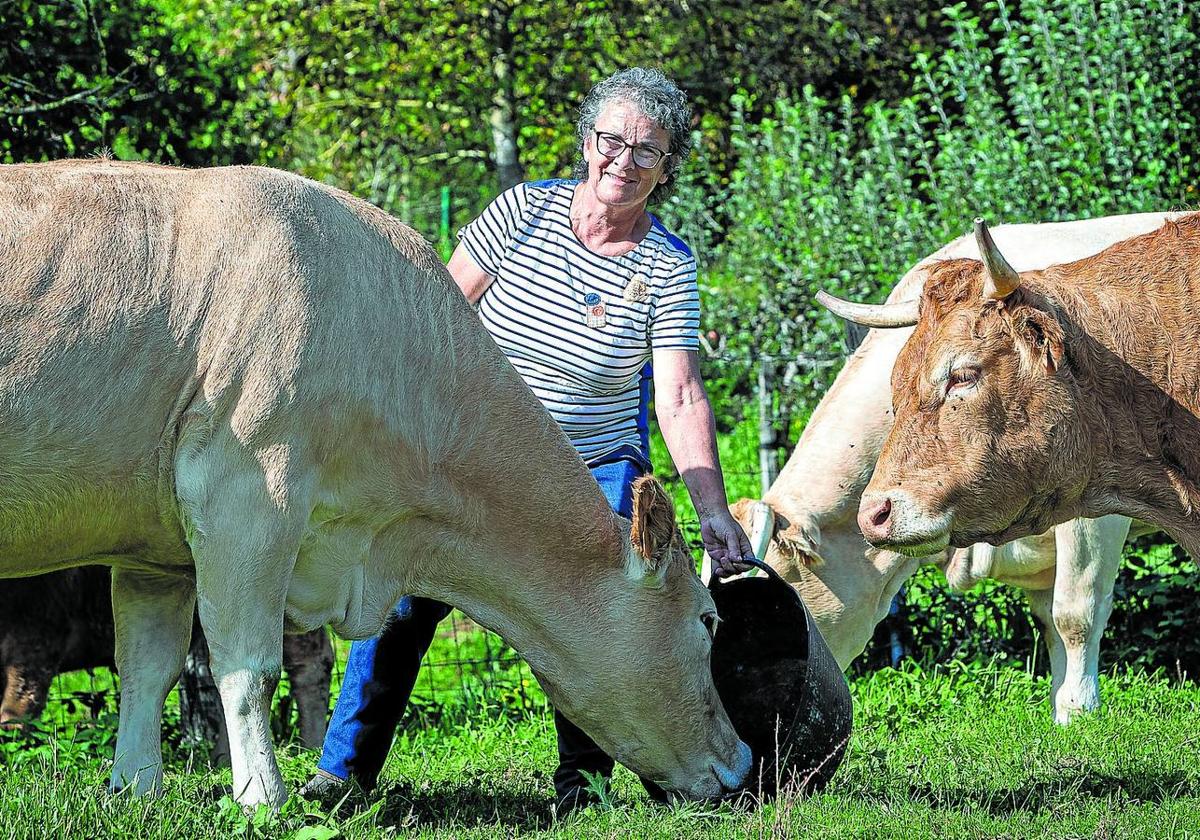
(591, 298)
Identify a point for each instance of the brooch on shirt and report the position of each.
(593, 308)
(636, 290)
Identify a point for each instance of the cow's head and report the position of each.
(622, 649)
(986, 412)
(673, 693)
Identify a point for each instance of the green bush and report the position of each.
(135, 78)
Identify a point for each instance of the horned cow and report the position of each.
(1023, 399)
(806, 524)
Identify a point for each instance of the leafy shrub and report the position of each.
(1156, 606)
(1156, 609)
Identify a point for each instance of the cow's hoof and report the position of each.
(137, 790)
(147, 781)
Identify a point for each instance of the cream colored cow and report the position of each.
(811, 508)
(239, 387)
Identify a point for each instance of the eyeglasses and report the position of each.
(614, 145)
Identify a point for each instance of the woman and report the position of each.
(581, 288)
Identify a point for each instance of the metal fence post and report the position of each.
(445, 226)
(766, 431)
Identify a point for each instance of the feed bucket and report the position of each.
(781, 687)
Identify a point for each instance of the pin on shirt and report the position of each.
(636, 290)
(594, 309)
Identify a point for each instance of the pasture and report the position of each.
(952, 751)
(838, 178)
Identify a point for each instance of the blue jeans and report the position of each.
(381, 673)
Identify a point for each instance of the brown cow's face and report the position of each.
(985, 412)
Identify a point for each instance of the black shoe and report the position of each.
(327, 789)
(656, 793)
(573, 799)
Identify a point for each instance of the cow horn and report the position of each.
(999, 278)
(886, 315)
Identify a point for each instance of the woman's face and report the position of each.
(619, 181)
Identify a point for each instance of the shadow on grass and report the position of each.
(1044, 794)
(467, 802)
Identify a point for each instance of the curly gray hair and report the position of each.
(654, 95)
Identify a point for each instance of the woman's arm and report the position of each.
(472, 279)
(686, 419)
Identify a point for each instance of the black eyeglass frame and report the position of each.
(634, 149)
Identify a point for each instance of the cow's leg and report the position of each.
(241, 610)
(30, 655)
(1089, 554)
(308, 658)
(244, 522)
(1041, 604)
(26, 687)
(152, 622)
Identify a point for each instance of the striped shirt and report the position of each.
(588, 372)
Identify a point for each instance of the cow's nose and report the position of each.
(875, 518)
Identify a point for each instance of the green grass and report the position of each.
(957, 752)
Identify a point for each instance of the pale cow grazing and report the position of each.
(806, 525)
(1026, 398)
(241, 388)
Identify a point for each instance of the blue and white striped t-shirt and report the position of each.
(546, 281)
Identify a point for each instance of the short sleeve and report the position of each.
(675, 323)
(487, 237)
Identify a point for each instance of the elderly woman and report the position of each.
(582, 289)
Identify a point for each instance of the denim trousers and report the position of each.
(381, 673)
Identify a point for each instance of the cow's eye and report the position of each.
(962, 378)
(710, 622)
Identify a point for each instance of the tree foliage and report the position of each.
(132, 76)
(1049, 109)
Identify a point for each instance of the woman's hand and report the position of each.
(726, 543)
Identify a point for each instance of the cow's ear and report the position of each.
(1044, 337)
(799, 545)
(653, 520)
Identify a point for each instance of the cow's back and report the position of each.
(141, 300)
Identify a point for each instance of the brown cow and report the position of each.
(63, 621)
(1025, 399)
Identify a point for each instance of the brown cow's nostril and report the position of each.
(882, 513)
(875, 519)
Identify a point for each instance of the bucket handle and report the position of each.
(762, 567)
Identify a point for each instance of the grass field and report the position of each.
(960, 752)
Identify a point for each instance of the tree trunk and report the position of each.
(503, 114)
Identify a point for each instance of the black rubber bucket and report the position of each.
(781, 687)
